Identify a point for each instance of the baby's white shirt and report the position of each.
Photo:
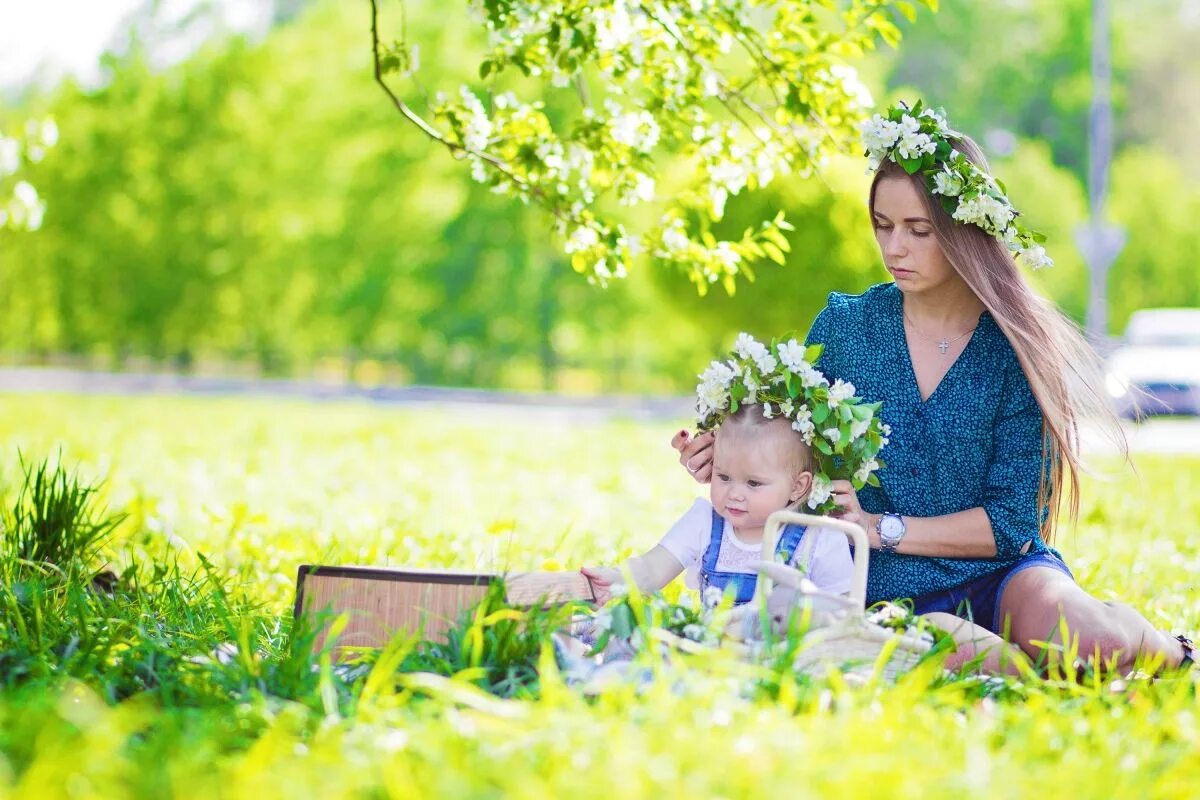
(831, 567)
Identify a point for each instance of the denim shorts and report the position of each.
(979, 600)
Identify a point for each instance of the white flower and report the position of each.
(803, 424)
(822, 490)
(888, 612)
(768, 412)
(478, 128)
(943, 126)
(791, 353)
(717, 195)
(912, 143)
(752, 387)
(583, 238)
(728, 257)
(859, 427)
(864, 471)
(674, 239)
(641, 191)
(947, 183)
(856, 91)
(811, 377)
(695, 632)
(636, 129)
(879, 135)
(832, 434)
(712, 596)
(748, 347)
(985, 211)
(613, 30)
(712, 394)
(840, 391)
(1035, 257)
(915, 145)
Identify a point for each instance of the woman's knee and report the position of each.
(1044, 608)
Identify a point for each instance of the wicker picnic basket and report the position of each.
(848, 640)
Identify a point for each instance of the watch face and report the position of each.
(891, 528)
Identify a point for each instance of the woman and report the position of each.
(984, 384)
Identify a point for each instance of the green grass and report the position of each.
(212, 504)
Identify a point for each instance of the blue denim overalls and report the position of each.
(744, 583)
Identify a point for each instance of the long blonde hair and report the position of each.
(1064, 371)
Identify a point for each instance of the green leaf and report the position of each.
(775, 253)
(622, 621)
(907, 9)
(486, 69)
(822, 445)
(820, 413)
(911, 165)
(813, 352)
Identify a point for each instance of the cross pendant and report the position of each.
(943, 346)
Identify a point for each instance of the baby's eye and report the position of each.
(722, 478)
(754, 484)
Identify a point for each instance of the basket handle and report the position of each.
(862, 548)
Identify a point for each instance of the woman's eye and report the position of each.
(921, 234)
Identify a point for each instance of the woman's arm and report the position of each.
(964, 534)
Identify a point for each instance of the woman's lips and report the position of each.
(902, 273)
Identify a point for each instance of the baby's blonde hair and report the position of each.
(749, 420)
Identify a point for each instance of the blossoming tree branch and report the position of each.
(733, 93)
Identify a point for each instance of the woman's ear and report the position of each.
(801, 485)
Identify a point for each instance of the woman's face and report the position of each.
(906, 239)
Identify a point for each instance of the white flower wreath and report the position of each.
(920, 141)
(844, 432)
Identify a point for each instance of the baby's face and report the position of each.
(751, 480)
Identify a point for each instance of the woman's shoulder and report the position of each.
(843, 304)
(845, 312)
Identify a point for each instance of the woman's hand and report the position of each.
(850, 510)
(696, 454)
(602, 580)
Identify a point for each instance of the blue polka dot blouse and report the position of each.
(976, 441)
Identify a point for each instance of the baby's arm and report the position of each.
(651, 572)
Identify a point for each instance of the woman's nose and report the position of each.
(893, 244)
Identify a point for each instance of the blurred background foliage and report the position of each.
(260, 206)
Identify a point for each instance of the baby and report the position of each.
(761, 464)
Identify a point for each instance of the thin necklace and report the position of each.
(943, 345)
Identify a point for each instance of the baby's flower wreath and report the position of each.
(844, 432)
(920, 141)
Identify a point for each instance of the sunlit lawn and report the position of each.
(260, 486)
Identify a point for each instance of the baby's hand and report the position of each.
(603, 579)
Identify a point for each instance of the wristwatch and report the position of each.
(891, 530)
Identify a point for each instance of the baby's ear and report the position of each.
(801, 485)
